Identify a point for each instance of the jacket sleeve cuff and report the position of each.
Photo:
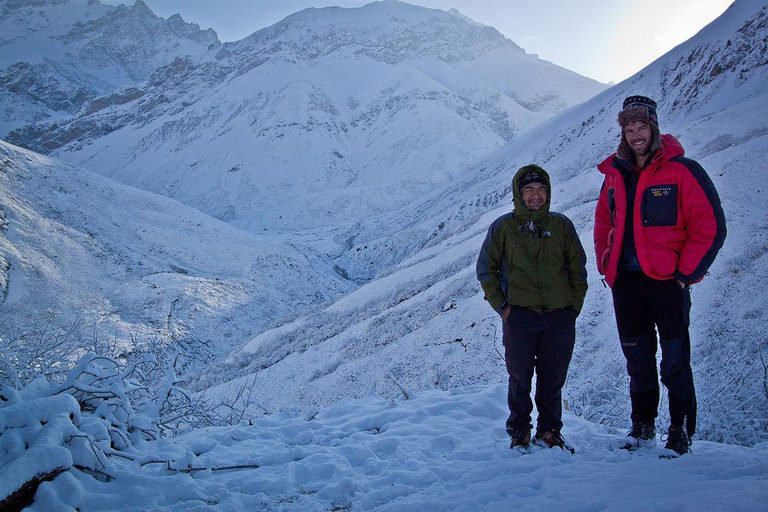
(682, 278)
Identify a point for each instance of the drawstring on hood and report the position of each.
(532, 229)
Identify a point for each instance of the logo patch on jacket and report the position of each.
(659, 206)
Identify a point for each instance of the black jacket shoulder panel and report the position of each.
(704, 181)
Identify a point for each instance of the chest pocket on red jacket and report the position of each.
(659, 206)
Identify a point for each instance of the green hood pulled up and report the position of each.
(521, 211)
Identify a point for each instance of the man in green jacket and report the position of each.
(532, 268)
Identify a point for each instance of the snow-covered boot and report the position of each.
(677, 440)
(641, 434)
(552, 439)
(520, 439)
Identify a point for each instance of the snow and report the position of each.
(260, 301)
(437, 451)
(81, 244)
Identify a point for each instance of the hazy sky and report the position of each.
(608, 40)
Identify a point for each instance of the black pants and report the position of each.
(642, 306)
(544, 343)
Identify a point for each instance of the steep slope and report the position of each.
(424, 322)
(330, 115)
(56, 56)
(112, 261)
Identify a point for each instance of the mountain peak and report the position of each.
(457, 14)
(140, 5)
(105, 47)
(389, 31)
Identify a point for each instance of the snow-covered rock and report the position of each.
(56, 56)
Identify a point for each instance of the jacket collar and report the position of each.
(670, 148)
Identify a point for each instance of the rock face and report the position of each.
(58, 55)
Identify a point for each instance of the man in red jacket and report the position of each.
(658, 227)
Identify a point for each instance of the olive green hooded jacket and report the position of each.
(533, 259)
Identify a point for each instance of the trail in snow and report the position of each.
(438, 451)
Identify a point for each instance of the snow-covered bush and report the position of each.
(45, 346)
(137, 390)
(58, 412)
(733, 400)
(101, 409)
(36, 442)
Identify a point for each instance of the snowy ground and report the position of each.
(437, 451)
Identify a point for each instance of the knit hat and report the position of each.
(638, 108)
(531, 176)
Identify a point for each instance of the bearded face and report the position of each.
(639, 138)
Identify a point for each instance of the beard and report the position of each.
(642, 150)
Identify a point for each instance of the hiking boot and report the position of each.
(677, 440)
(552, 439)
(641, 434)
(520, 439)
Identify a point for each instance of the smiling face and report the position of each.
(639, 138)
(534, 196)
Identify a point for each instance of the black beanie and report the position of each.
(641, 101)
(532, 176)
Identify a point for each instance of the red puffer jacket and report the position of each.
(678, 223)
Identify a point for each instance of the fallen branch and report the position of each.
(25, 494)
(190, 469)
(402, 389)
(95, 473)
(217, 468)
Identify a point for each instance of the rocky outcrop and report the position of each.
(107, 48)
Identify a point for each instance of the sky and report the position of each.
(608, 40)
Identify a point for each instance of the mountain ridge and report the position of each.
(387, 89)
(57, 57)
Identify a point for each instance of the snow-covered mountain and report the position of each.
(698, 79)
(58, 56)
(328, 117)
(115, 262)
(135, 264)
(424, 323)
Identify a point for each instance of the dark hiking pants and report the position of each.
(642, 306)
(542, 342)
